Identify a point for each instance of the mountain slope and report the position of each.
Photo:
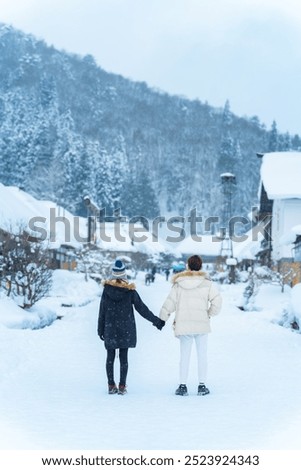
(68, 128)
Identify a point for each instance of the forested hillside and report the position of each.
(68, 128)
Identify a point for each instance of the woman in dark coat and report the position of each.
(116, 323)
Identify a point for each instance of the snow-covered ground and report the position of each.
(53, 392)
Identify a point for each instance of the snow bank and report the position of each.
(72, 288)
(269, 303)
(296, 302)
(13, 316)
(69, 289)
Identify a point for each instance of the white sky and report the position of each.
(247, 51)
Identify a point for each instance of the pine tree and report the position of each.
(296, 142)
(227, 155)
(284, 142)
(273, 138)
(227, 115)
(139, 198)
(103, 185)
(118, 170)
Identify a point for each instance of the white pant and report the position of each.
(185, 350)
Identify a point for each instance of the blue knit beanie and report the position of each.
(118, 270)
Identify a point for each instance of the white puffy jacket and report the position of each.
(194, 298)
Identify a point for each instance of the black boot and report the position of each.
(112, 389)
(182, 390)
(203, 390)
(122, 390)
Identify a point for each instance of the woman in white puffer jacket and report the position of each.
(194, 299)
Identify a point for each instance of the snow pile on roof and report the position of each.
(205, 246)
(19, 210)
(248, 248)
(121, 237)
(290, 237)
(17, 207)
(244, 247)
(280, 174)
(113, 236)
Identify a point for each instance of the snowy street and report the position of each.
(54, 393)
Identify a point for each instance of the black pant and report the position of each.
(123, 358)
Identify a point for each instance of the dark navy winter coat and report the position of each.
(116, 321)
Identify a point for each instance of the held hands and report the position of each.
(159, 324)
(101, 336)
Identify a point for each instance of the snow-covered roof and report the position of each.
(248, 248)
(207, 246)
(19, 210)
(114, 237)
(111, 236)
(244, 247)
(227, 175)
(280, 174)
(291, 235)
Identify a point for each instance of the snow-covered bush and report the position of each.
(251, 290)
(296, 306)
(288, 320)
(263, 273)
(98, 264)
(242, 276)
(257, 276)
(26, 274)
(221, 277)
(94, 262)
(282, 277)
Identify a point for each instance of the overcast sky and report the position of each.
(247, 51)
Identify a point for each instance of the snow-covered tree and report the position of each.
(227, 155)
(273, 138)
(26, 274)
(227, 115)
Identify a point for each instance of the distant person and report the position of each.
(194, 299)
(116, 323)
(167, 273)
(148, 279)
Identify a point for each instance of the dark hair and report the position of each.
(195, 263)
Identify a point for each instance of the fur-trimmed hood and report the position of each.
(118, 289)
(190, 279)
(119, 283)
